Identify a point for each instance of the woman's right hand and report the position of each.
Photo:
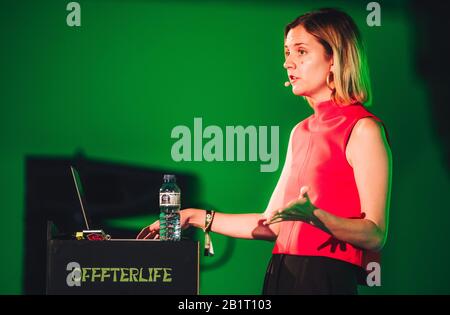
(152, 231)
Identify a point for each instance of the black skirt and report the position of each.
(292, 274)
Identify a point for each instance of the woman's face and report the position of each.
(307, 65)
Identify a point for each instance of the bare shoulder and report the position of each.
(366, 132)
(366, 127)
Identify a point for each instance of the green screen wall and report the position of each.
(117, 85)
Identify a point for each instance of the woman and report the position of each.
(330, 205)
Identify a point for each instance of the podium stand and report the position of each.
(122, 267)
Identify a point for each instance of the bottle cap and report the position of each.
(169, 178)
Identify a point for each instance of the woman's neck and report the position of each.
(316, 99)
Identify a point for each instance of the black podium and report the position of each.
(122, 267)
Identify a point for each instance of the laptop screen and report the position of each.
(80, 193)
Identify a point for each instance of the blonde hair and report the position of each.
(339, 35)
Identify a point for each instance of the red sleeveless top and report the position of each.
(316, 158)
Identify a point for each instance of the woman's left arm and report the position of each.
(370, 156)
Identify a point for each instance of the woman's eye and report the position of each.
(286, 53)
(302, 51)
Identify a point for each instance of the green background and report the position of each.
(116, 86)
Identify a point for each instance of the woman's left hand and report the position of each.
(303, 210)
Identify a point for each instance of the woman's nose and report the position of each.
(288, 64)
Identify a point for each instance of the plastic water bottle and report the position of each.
(169, 204)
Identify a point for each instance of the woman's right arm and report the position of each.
(246, 225)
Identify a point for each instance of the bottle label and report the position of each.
(169, 199)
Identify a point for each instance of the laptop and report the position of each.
(87, 233)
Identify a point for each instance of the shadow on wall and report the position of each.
(433, 64)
